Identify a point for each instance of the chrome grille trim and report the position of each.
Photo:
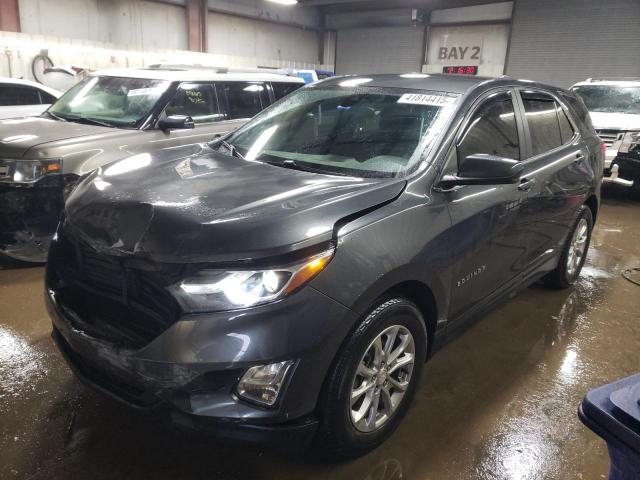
(608, 136)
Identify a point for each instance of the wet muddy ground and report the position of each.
(497, 403)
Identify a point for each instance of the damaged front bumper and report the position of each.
(191, 369)
(628, 165)
(612, 176)
(612, 170)
(29, 216)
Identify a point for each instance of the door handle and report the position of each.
(579, 158)
(526, 184)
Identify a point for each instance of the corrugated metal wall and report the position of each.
(380, 50)
(563, 42)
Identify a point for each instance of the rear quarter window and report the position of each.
(566, 130)
(578, 109)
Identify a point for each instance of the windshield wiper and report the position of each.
(91, 121)
(55, 117)
(293, 165)
(232, 148)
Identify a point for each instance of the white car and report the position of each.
(24, 98)
(614, 107)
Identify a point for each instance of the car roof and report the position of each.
(459, 84)
(29, 83)
(195, 75)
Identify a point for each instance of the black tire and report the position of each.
(337, 437)
(562, 277)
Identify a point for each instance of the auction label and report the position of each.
(423, 99)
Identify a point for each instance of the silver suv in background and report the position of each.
(111, 115)
(614, 107)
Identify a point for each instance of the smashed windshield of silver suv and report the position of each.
(610, 98)
(110, 101)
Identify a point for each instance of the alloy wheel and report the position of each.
(577, 248)
(382, 378)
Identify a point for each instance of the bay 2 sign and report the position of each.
(468, 52)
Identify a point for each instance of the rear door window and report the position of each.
(542, 117)
(492, 130)
(282, 89)
(196, 100)
(245, 99)
(13, 95)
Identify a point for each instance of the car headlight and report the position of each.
(28, 171)
(218, 290)
(630, 142)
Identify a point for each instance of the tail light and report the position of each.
(603, 147)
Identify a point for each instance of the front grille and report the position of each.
(608, 136)
(117, 299)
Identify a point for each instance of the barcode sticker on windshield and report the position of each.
(422, 99)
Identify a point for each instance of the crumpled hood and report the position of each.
(18, 135)
(193, 204)
(615, 121)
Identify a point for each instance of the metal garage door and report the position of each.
(379, 50)
(563, 42)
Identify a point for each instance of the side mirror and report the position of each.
(482, 169)
(173, 122)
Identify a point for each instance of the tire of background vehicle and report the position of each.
(338, 437)
(562, 277)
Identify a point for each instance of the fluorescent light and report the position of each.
(284, 2)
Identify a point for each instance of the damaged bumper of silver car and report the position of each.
(626, 144)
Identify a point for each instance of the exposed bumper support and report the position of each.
(615, 179)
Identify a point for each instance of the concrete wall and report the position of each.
(261, 32)
(132, 24)
(261, 9)
(239, 36)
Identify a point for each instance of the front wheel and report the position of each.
(373, 379)
(574, 252)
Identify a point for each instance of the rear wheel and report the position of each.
(574, 253)
(373, 379)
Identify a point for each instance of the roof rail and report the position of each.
(218, 69)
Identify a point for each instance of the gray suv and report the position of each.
(288, 281)
(111, 115)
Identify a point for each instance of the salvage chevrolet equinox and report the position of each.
(289, 280)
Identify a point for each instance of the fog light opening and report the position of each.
(262, 383)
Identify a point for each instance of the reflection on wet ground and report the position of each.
(498, 403)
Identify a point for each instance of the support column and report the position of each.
(9, 16)
(197, 12)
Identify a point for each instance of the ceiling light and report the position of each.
(284, 2)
